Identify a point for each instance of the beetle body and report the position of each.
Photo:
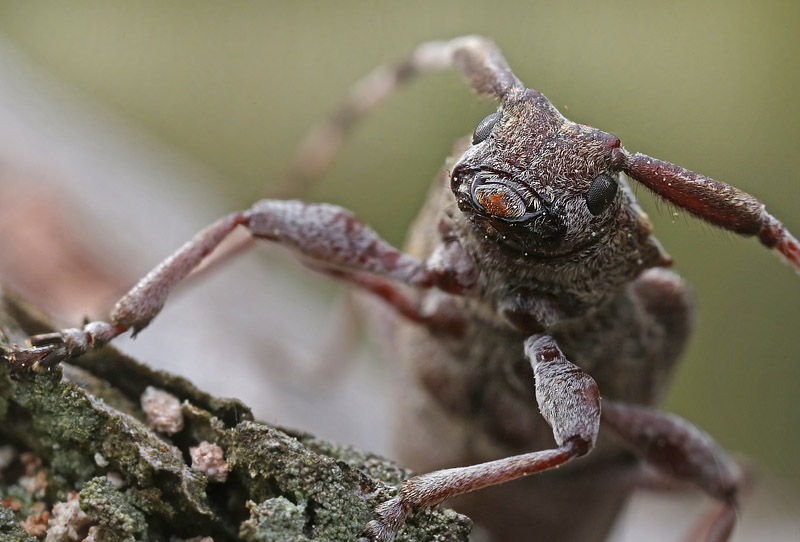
(532, 304)
(469, 399)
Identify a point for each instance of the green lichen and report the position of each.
(299, 488)
(374, 466)
(273, 520)
(67, 426)
(72, 467)
(10, 530)
(336, 496)
(201, 425)
(273, 464)
(22, 497)
(114, 510)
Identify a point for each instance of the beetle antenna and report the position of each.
(713, 201)
(477, 57)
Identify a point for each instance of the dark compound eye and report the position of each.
(600, 194)
(485, 128)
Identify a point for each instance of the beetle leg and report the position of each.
(679, 449)
(333, 237)
(568, 400)
(326, 235)
(443, 321)
(134, 310)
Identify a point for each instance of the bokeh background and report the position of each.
(712, 86)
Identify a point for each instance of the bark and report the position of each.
(81, 428)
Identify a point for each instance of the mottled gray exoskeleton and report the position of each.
(538, 292)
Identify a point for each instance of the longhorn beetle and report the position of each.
(540, 290)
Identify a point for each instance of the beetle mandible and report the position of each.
(528, 290)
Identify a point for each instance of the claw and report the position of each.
(391, 516)
(46, 351)
(37, 358)
(50, 349)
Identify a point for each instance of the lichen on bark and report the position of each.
(85, 422)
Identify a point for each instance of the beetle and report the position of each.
(529, 290)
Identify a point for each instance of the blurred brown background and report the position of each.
(711, 86)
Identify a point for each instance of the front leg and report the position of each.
(134, 310)
(324, 236)
(569, 401)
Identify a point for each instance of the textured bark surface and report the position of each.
(80, 428)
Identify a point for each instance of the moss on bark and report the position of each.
(84, 421)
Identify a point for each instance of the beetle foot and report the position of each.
(36, 358)
(50, 349)
(391, 516)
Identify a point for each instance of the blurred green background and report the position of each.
(712, 86)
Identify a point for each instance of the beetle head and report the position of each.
(540, 184)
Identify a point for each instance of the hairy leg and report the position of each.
(569, 401)
(324, 235)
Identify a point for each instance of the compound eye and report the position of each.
(485, 128)
(600, 194)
